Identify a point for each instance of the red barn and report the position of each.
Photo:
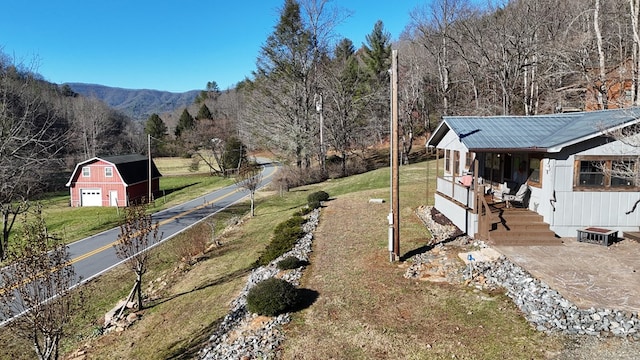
(113, 181)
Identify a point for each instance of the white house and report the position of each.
(568, 159)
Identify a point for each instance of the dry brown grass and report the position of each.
(366, 309)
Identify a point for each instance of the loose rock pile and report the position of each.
(549, 311)
(243, 335)
(114, 322)
(543, 307)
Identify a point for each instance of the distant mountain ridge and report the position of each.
(138, 104)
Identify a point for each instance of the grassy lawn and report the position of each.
(365, 309)
(172, 166)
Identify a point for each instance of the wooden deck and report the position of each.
(632, 235)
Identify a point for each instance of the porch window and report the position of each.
(605, 173)
(108, 171)
(535, 174)
(492, 167)
(468, 160)
(86, 171)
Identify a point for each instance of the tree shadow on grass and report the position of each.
(166, 192)
(423, 249)
(189, 349)
(306, 298)
(219, 281)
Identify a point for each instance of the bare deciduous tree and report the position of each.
(249, 178)
(37, 285)
(634, 11)
(31, 135)
(206, 143)
(137, 234)
(602, 78)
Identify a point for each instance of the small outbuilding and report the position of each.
(113, 181)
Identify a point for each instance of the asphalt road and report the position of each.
(96, 255)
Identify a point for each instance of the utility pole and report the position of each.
(149, 154)
(319, 106)
(395, 175)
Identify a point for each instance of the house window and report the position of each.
(108, 171)
(86, 171)
(605, 173)
(447, 161)
(623, 173)
(456, 162)
(591, 173)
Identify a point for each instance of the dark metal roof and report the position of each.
(133, 168)
(532, 133)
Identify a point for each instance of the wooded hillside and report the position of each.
(138, 104)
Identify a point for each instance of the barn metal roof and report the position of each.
(133, 168)
(544, 133)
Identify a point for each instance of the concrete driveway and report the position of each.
(589, 275)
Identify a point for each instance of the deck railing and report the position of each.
(484, 214)
(450, 187)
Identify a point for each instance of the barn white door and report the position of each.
(91, 197)
(113, 198)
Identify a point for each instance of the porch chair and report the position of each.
(519, 197)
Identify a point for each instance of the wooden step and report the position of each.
(521, 235)
(539, 242)
(525, 227)
(521, 216)
(521, 227)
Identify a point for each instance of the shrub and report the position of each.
(272, 297)
(289, 177)
(313, 205)
(317, 196)
(189, 246)
(303, 211)
(285, 236)
(293, 222)
(290, 262)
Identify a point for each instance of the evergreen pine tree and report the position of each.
(235, 152)
(156, 127)
(204, 113)
(185, 123)
(377, 52)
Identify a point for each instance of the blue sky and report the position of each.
(175, 46)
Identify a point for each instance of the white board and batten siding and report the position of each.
(465, 220)
(600, 208)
